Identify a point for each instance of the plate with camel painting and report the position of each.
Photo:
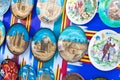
(4, 8)
(2, 33)
(22, 8)
(17, 39)
(27, 72)
(72, 44)
(43, 44)
(81, 11)
(45, 74)
(104, 50)
(49, 10)
(109, 12)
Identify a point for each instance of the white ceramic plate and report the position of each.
(104, 50)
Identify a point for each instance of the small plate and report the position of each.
(17, 39)
(104, 50)
(9, 70)
(109, 12)
(49, 10)
(72, 44)
(2, 33)
(45, 74)
(4, 6)
(81, 11)
(44, 44)
(27, 72)
(74, 76)
(22, 8)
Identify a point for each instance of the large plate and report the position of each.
(104, 50)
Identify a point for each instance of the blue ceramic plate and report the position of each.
(72, 44)
(2, 33)
(45, 74)
(17, 39)
(81, 11)
(109, 12)
(49, 10)
(44, 44)
(4, 6)
(27, 73)
(22, 8)
(104, 50)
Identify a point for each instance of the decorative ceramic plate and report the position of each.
(45, 74)
(9, 70)
(2, 33)
(72, 76)
(4, 6)
(44, 44)
(22, 8)
(81, 11)
(109, 12)
(27, 73)
(72, 44)
(17, 39)
(49, 10)
(104, 50)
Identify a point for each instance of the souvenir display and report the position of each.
(109, 12)
(4, 8)
(8, 70)
(44, 44)
(17, 39)
(27, 73)
(72, 44)
(45, 74)
(81, 11)
(22, 8)
(2, 33)
(72, 76)
(49, 10)
(104, 50)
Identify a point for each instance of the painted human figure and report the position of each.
(106, 49)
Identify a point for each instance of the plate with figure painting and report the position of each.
(109, 12)
(45, 74)
(43, 44)
(22, 8)
(72, 44)
(17, 39)
(81, 11)
(4, 6)
(2, 33)
(27, 72)
(9, 70)
(104, 50)
(49, 10)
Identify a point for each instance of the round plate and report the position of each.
(109, 12)
(81, 11)
(104, 50)
(2, 33)
(22, 8)
(72, 76)
(9, 70)
(72, 44)
(17, 39)
(4, 6)
(49, 10)
(100, 78)
(27, 73)
(45, 74)
(44, 44)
